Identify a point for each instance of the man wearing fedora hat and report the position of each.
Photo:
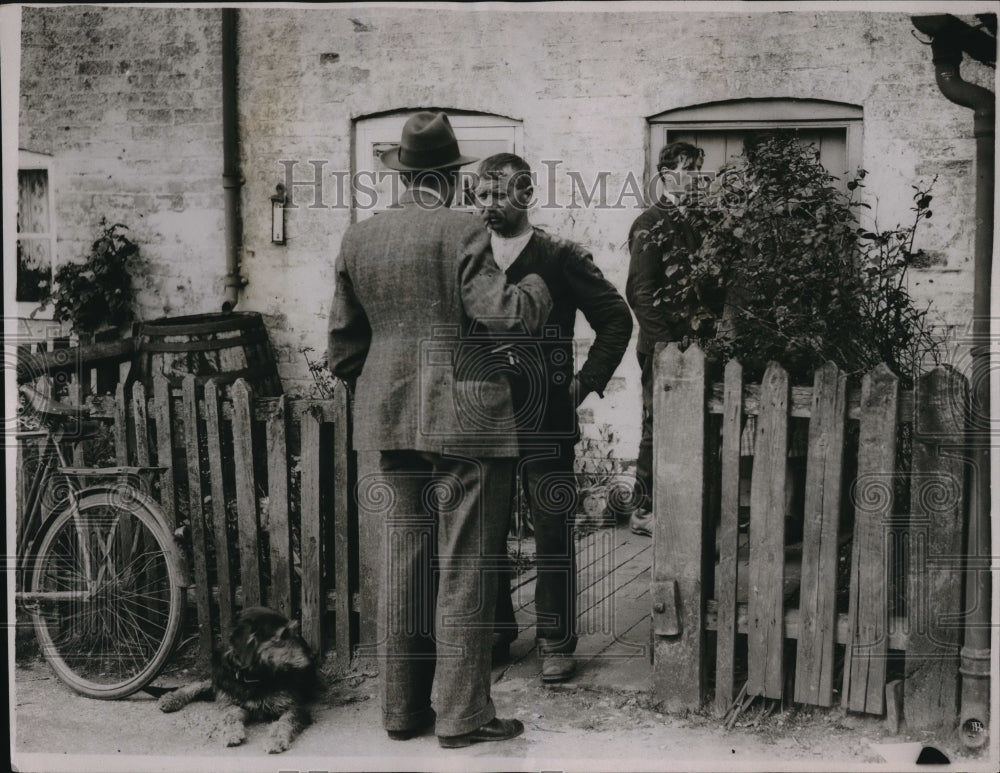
(417, 298)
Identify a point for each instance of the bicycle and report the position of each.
(98, 567)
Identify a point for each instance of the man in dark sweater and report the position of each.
(546, 393)
(661, 230)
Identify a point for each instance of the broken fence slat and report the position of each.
(246, 495)
(311, 531)
(223, 550)
(728, 536)
(277, 521)
(818, 590)
(162, 418)
(864, 657)
(341, 528)
(767, 538)
(202, 591)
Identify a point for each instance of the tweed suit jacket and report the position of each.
(417, 297)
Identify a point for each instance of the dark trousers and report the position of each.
(549, 486)
(642, 492)
(444, 542)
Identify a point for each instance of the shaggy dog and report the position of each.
(267, 673)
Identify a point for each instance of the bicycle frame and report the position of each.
(50, 462)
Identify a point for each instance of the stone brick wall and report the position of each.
(128, 102)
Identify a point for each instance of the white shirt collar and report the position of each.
(507, 248)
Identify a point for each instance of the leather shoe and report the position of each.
(558, 667)
(641, 523)
(495, 730)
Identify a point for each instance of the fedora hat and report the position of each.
(428, 142)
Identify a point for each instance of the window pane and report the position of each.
(32, 201)
(721, 145)
(34, 269)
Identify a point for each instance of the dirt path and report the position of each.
(569, 728)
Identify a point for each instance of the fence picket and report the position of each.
(934, 593)
(75, 393)
(310, 530)
(341, 527)
(223, 551)
(277, 522)
(679, 565)
(120, 427)
(818, 590)
(202, 591)
(725, 591)
(246, 495)
(164, 446)
(767, 537)
(864, 657)
(141, 424)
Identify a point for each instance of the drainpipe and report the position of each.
(232, 178)
(950, 37)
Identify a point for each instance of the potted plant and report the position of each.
(97, 294)
(596, 470)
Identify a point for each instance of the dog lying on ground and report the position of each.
(268, 673)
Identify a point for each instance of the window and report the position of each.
(719, 128)
(36, 238)
(377, 186)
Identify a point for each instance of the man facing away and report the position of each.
(660, 228)
(413, 285)
(546, 395)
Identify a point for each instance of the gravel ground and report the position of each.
(567, 728)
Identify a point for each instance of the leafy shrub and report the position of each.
(785, 272)
(98, 292)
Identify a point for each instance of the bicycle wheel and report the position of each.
(108, 599)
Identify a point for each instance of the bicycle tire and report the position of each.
(111, 642)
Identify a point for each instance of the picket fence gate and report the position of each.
(909, 562)
(263, 486)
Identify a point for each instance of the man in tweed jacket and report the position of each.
(416, 298)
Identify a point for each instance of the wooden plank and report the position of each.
(74, 393)
(73, 359)
(197, 519)
(223, 550)
(842, 631)
(342, 532)
(120, 426)
(725, 589)
(865, 655)
(800, 405)
(934, 592)
(246, 495)
(370, 535)
(164, 446)
(277, 522)
(818, 589)
(679, 437)
(767, 537)
(139, 412)
(311, 532)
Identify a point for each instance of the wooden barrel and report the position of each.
(223, 346)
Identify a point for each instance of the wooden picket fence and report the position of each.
(904, 594)
(262, 484)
